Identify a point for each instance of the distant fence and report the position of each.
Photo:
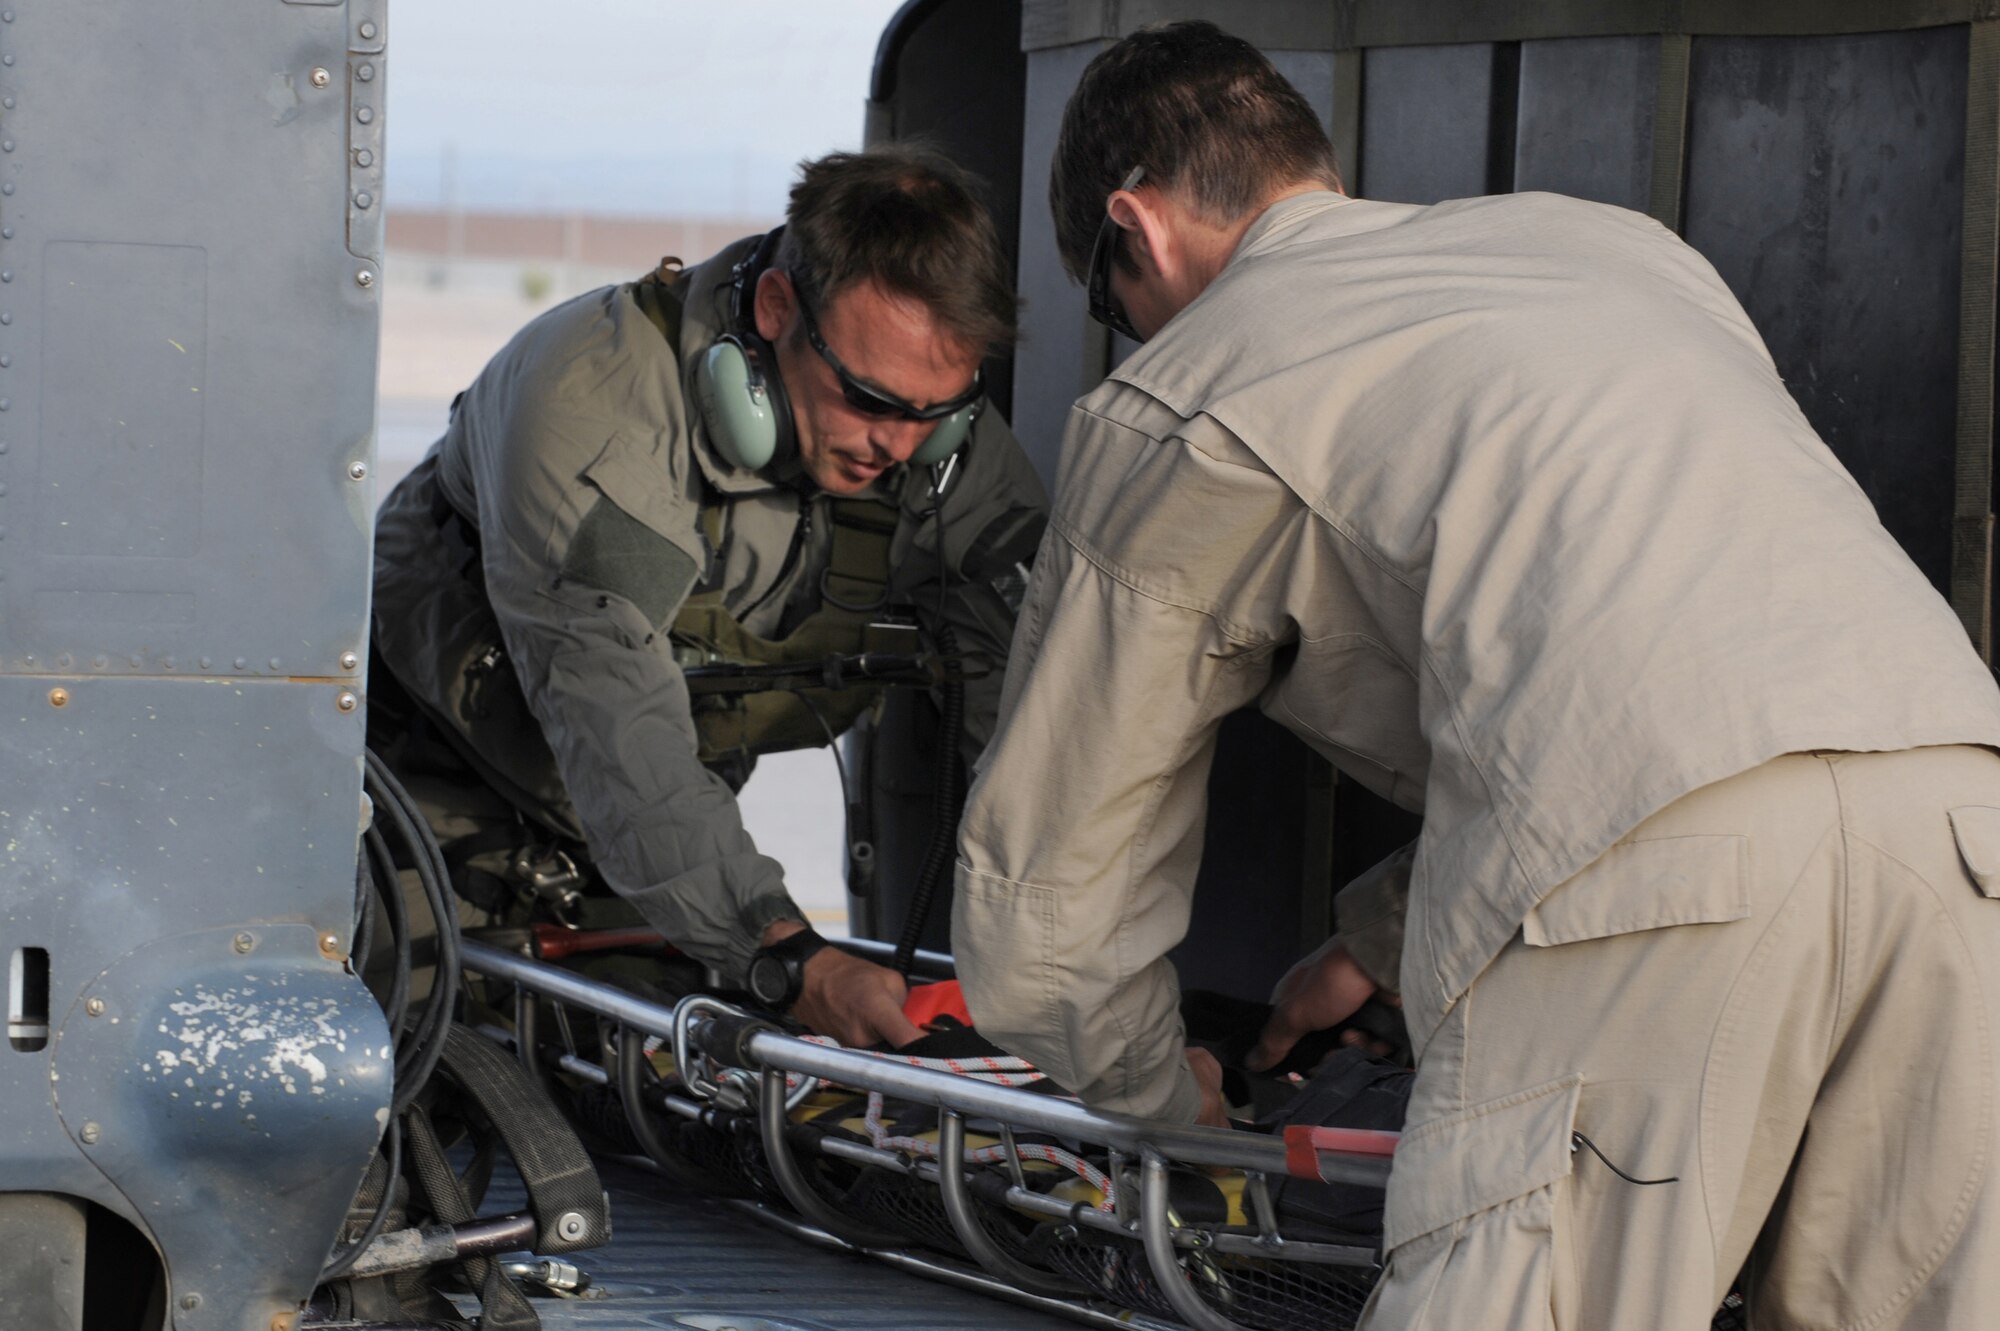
(575, 239)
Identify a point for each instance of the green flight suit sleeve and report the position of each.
(584, 571)
(995, 511)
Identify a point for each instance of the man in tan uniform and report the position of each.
(1501, 505)
(718, 467)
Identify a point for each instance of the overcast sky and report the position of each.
(624, 106)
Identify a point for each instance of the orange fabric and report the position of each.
(1304, 1142)
(927, 1002)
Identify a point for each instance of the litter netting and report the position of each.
(1256, 1292)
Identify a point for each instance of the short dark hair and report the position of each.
(1204, 112)
(910, 219)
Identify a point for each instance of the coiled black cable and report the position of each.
(419, 1044)
(383, 865)
(365, 910)
(945, 808)
(945, 803)
(343, 1261)
(417, 1057)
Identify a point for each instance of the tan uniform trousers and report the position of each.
(1814, 1067)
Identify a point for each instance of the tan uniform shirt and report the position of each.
(1499, 504)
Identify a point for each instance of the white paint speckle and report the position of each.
(236, 1035)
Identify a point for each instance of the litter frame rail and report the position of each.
(750, 1062)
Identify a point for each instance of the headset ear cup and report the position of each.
(785, 430)
(947, 438)
(741, 417)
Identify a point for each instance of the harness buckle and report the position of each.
(554, 878)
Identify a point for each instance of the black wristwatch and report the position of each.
(777, 972)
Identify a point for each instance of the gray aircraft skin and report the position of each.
(190, 245)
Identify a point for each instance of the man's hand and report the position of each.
(1321, 991)
(856, 1002)
(1208, 1073)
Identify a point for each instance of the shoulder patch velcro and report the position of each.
(615, 552)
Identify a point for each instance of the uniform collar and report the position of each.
(1285, 218)
(1313, 217)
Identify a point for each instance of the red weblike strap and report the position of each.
(1304, 1142)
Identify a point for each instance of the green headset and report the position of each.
(742, 397)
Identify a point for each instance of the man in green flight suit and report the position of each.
(751, 462)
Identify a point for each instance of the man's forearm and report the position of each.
(1369, 914)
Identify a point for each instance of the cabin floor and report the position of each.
(683, 1262)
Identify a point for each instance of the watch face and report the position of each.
(770, 981)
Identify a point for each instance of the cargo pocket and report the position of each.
(1009, 983)
(1977, 828)
(1646, 884)
(1469, 1225)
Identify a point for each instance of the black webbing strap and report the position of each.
(857, 571)
(563, 1189)
(1670, 116)
(659, 302)
(502, 1305)
(1972, 500)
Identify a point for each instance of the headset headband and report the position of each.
(743, 282)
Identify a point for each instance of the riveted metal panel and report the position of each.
(186, 346)
(234, 1098)
(1824, 179)
(187, 350)
(138, 811)
(366, 78)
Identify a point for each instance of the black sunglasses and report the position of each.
(869, 400)
(1103, 307)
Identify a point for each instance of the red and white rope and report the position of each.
(999, 1070)
(884, 1140)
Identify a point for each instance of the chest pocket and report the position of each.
(1977, 828)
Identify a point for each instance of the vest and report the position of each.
(733, 717)
(737, 715)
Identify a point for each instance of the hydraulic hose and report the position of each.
(418, 1048)
(946, 800)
